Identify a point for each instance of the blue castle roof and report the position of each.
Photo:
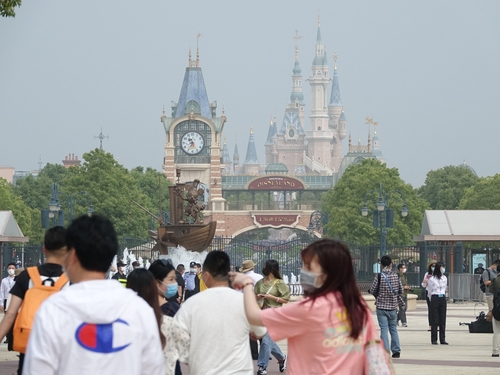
(193, 95)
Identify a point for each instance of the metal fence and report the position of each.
(464, 287)
(23, 256)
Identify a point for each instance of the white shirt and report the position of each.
(7, 284)
(94, 327)
(219, 331)
(254, 276)
(437, 286)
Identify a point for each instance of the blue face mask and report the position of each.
(443, 270)
(171, 290)
(432, 269)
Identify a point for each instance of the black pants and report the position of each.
(254, 349)
(21, 363)
(402, 311)
(438, 318)
(428, 307)
(189, 293)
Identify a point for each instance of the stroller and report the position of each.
(481, 325)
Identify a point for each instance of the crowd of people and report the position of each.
(79, 321)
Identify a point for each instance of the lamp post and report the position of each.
(56, 213)
(317, 222)
(383, 216)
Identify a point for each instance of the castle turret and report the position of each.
(297, 97)
(251, 164)
(236, 157)
(270, 142)
(226, 160)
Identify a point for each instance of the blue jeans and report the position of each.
(387, 320)
(268, 347)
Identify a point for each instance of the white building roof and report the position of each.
(460, 225)
(9, 230)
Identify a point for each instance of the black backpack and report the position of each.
(481, 282)
(377, 290)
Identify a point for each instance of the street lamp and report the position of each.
(317, 222)
(55, 212)
(383, 216)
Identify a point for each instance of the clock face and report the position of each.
(192, 143)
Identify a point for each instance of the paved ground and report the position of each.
(467, 354)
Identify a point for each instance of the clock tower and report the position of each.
(193, 141)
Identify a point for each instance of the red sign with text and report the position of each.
(275, 220)
(276, 184)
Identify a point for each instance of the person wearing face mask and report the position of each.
(406, 288)
(272, 292)
(437, 291)
(191, 280)
(425, 284)
(7, 284)
(489, 276)
(329, 329)
(120, 275)
(166, 288)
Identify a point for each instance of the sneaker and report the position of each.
(495, 355)
(396, 355)
(404, 325)
(261, 370)
(282, 364)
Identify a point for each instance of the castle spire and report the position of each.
(319, 57)
(236, 154)
(225, 153)
(335, 94)
(251, 157)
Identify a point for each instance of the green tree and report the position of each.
(111, 187)
(445, 187)
(7, 7)
(149, 182)
(485, 195)
(22, 213)
(344, 202)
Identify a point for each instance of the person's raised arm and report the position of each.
(252, 310)
(10, 316)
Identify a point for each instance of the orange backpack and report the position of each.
(31, 302)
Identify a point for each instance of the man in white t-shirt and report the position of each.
(95, 326)
(217, 323)
(7, 284)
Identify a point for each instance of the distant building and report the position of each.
(71, 160)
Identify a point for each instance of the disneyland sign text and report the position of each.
(276, 184)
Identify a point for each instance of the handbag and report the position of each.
(377, 361)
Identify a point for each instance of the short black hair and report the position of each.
(180, 267)
(386, 261)
(11, 264)
(217, 264)
(198, 265)
(55, 238)
(161, 268)
(497, 261)
(94, 240)
(400, 265)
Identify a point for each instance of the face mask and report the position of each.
(11, 272)
(404, 270)
(171, 290)
(308, 280)
(122, 269)
(432, 269)
(443, 270)
(192, 270)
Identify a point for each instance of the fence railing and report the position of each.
(464, 287)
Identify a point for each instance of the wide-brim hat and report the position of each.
(431, 263)
(247, 265)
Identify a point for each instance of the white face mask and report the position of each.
(11, 272)
(122, 269)
(192, 270)
(308, 280)
(404, 270)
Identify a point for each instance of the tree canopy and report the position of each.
(7, 7)
(445, 187)
(343, 204)
(484, 195)
(22, 213)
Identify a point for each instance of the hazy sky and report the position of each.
(427, 71)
